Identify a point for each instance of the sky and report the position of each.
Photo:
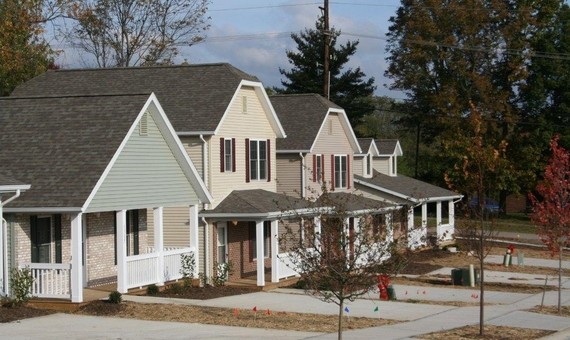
(254, 35)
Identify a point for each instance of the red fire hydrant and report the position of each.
(383, 283)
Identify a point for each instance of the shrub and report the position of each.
(152, 290)
(203, 279)
(223, 271)
(21, 281)
(115, 297)
(187, 264)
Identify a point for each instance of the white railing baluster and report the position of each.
(51, 280)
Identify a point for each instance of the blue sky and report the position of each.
(269, 24)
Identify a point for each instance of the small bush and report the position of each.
(21, 281)
(174, 288)
(115, 297)
(203, 279)
(152, 290)
(222, 273)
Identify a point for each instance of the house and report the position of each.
(319, 155)
(95, 164)
(229, 129)
(376, 176)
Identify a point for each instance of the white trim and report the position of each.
(292, 151)
(121, 248)
(400, 195)
(14, 187)
(257, 140)
(274, 244)
(50, 210)
(340, 171)
(195, 133)
(177, 149)
(260, 252)
(76, 258)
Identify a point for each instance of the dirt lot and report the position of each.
(490, 333)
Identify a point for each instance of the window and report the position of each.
(340, 171)
(393, 165)
(222, 243)
(227, 154)
(318, 170)
(266, 238)
(42, 244)
(369, 164)
(258, 160)
(132, 232)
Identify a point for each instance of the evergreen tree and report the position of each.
(348, 87)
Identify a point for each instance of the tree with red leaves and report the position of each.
(551, 206)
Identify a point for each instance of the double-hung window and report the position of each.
(369, 164)
(258, 159)
(340, 171)
(227, 155)
(318, 169)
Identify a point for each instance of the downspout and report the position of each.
(205, 207)
(206, 249)
(204, 161)
(302, 174)
(4, 231)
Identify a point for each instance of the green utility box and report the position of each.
(460, 277)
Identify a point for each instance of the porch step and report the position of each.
(252, 283)
(56, 304)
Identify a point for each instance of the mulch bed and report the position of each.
(10, 314)
(203, 293)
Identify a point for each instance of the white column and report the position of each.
(451, 219)
(158, 214)
(412, 239)
(122, 251)
(424, 215)
(260, 251)
(76, 258)
(3, 245)
(390, 227)
(346, 235)
(317, 222)
(439, 228)
(194, 236)
(274, 251)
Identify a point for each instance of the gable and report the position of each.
(144, 171)
(332, 138)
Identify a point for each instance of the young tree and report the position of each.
(477, 169)
(23, 52)
(134, 32)
(348, 87)
(551, 209)
(340, 261)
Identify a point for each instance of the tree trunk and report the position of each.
(340, 315)
(482, 270)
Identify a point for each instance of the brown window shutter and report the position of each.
(233, 155)
(332, 172)
(247, 160)
(348, 171)
(269, 160)
(314, 168)
(222, 155)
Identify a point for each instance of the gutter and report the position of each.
(204, 161)
(303, 174)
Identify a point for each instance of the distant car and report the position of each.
(491, 206)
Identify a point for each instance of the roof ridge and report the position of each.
(78, 96)
(99, 69)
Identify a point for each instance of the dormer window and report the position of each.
(393, 166)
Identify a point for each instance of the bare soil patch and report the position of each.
(490, 333)
(203, 293)
(9, 314)
(552, 310)
(228, 317)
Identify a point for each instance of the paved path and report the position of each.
(506, 309)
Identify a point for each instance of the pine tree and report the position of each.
(348, 87)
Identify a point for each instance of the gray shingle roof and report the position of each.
(301, 116)
(61, 146)
(386, 146)
(255, 202)
(5, 181)
(410, 188)
(194, 96)
(365, 144)
(347, 202)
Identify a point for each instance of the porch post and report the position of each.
(159, 244)
(424, 216)
(260, 251)
(3, 245)
(194, 237)
(274, 251)
(411, 233)
(122, 251)
(424, 229)
(439, 227)
(451, 217)
(76, 258)
(390, 227)
(317, 222)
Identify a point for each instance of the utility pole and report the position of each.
(326, 66)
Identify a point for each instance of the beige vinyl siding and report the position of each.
(146, 172)
(382, 164)
(289, 171)
(176, 224)
(359, 166)
(193, 146)
(327, 144)
(253, 124)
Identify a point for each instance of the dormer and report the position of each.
(369, 151)
(387, 160)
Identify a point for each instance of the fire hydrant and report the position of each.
(383, 283)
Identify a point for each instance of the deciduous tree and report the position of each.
(134, 32)
(551, 206)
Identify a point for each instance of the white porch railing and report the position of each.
(51, 280)
(286, 266)
(144, 269)
(445, 232)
